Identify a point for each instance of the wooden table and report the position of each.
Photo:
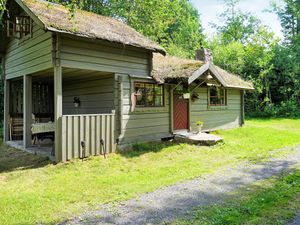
(39, 128)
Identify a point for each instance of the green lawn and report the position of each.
(272, 201)
(32, 190)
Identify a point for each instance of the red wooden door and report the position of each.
(180, 112)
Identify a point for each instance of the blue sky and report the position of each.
(209, 9)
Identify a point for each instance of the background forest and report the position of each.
(242, 44)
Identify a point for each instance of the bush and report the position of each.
(287, 108)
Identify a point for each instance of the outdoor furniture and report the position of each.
(42, 130)
(15, 127)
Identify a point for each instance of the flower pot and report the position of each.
(199, 128)
(186, 95)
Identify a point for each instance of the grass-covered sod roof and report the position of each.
(168, 68)
(56, 17)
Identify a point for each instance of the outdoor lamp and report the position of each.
(76, 102)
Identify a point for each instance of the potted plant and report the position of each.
(199, 125)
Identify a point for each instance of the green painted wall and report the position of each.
(216, 117)
(29, 54)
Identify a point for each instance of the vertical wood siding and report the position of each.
(85, 54)
(26, 56)
(216, 117)
(90, 129)
(96, 95)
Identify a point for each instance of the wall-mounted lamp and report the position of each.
(209, 77)
(76, 102)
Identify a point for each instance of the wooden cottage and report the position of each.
(96, 83)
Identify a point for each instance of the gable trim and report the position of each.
(198, 73)
(31, 14)
(207, 66)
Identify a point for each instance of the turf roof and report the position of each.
(56, 17)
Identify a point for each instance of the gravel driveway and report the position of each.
(176, 201)
(296, 220)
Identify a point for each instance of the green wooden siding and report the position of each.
(216, 117)
(29, 55)
(95, 130)
(139, 124)
(96, 95)
(95, 55)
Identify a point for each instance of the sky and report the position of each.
(209, 9)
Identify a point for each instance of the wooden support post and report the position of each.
(120, 97)
(189, 111)
(58, 113)
(6, 110)
(27, 110)
(171, 110)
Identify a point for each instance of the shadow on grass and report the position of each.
(12, 159)
(233, 199)
(138, 149)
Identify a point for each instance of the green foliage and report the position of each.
(246, 47)
(284, 109)
(236, 25)
(174, 24)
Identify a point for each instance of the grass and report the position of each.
(33, 190)
(272, 201)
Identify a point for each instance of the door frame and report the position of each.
(172, 109)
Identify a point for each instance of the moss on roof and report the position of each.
(56, 17)
(232, 80)
(168, 68)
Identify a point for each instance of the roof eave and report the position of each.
(240, 87)
(52, 29)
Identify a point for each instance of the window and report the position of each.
(217, 96)
(148, 95)
(20, 27)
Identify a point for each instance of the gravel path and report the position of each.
(296, 220)
(176, 201)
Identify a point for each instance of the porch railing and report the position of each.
(87, 135)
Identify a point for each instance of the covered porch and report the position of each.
(61, 113)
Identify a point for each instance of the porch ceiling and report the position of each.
(68, 74)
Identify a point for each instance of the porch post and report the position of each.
(58, 113)
(171, 110)
(6, 110)
(27, 110)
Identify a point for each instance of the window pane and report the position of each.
(148, 95)
(217, 96)
(158, 100)
(158, 89)
(140, 94)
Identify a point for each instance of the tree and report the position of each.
(289, 16)
(174, 24)
(236, 25)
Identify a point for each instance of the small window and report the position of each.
(20, 27)
(148, 95)
(217, 96)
